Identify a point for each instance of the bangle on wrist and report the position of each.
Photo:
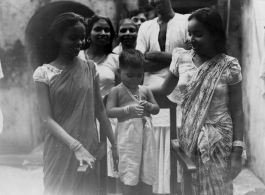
(126, 109)
(239, 143)
(114, 146)
(151, 107)
(75, 145)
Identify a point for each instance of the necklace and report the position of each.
(136, 98)
(87, 57)
(100, 59)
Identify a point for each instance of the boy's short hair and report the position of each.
(131, 58)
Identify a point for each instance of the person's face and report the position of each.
(100, 33)
(138, 20)
(202, 40)
(127, 34)
(161, 6)
(131, 77)
(72, 39)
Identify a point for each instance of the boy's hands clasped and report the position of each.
(147, 105)
(139, 109)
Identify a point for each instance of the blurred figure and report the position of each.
(126, 35)
(1, 115)
(138, 17)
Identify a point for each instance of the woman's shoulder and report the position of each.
(113, 56)
(45, 72)
(181, 51)
(232, 71)
(112, 60)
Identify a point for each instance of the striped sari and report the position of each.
(208, 144)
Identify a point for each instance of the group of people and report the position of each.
(188, 51)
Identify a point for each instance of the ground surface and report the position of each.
(22, 181)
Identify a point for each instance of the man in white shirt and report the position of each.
(158, 37)
(156, 40)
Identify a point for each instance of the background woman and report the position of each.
(69, 100)
(212, 114)
(126, 35)
(99, 49)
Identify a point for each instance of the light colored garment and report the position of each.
(207, 130)
(147, 40)
(262, 67)
(73, 103)
(137, 151)
(118, 49)
(1, 115)
(1, 72)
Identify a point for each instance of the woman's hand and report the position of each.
(83, 155)
(236, 162)
(137, 109)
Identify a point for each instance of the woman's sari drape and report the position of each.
(73, 105)
(208, 145)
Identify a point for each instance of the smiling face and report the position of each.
(201, 39)
(139, 19)
(127, 34)
(131, 77)
(72, 39)
(100, 33)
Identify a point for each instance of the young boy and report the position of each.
(132, 105)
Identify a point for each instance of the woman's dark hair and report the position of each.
(58, 27)
(131, 58)
(213, 22)
(91, 21)
(136, 12)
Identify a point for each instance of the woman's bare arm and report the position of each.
(236, 110)
(167, 87)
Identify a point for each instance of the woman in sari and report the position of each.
(212, 116)
(69, 102)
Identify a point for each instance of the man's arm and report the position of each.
(155, 61)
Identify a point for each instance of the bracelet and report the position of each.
(151, 108)
(239, 143)
(126, 109)
(75, 145)
(114, 146)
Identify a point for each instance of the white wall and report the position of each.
(254, 104)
